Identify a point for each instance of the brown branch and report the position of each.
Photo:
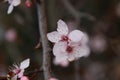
(42, 29)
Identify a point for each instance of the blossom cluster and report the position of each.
(18, 71)
(68, 46)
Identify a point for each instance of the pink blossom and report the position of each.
(68, 46)
(61, 63)
(63, 34)
(10, 35)
(12, 3)
(19, 70)
(70, 52)
(24, 78)
(52, 78)
(28, 3)
(98, 43)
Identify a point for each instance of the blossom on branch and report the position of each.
(70, 52)
(52, 78)
(18, 71)
(63, 34)
(24, 78)
(68, 46)
(12, 3)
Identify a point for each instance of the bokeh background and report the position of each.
(100, 19)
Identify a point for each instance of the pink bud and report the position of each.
(98, 43)
(52, 78)
(28, 3)
(24, 78)
(64, 64)
(10, 35)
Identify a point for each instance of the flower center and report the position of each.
(65, 38)
(18, 71)
(69, 49)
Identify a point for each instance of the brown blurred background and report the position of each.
(100, 19)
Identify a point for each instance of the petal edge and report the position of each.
(62, 27)
(54, 37)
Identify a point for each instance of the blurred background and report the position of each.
(100, 19)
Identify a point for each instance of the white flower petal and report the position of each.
(71, 58)
(10, 9)
(64, 63)
(24, 64)
(14, 77)
(60, 59)
(52, 78)
(84, 40)
(59, 52)
(62, 27)
(59, 49)
(81, 51)
(21, 73)
(54, 36)
(76, 35)
(16, 2)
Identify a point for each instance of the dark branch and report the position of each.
(42, 30)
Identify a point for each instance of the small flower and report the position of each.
(10, 35)
(72, 51)
(61, 63)
(19, 70)
(68, 46)
(62, 34)
(12, 3)
(52, 78)
(69, 52)
(98, 43)
(28, 3)
(24, 78)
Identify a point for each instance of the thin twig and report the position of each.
(76, 13)
(34, 71)
(42, 30)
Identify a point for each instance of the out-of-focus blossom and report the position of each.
(24, 78)
(63, 64)
(12, 3)
(19, 70)
(63, 34)
(28, 3)
(98, 43)
(118, 9)
(10, 35)
(72, 25)
(52, 78)
(95, 71)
